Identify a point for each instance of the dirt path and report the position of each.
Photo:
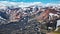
(53, 33)
(50, 33)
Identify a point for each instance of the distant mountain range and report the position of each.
(26, 4)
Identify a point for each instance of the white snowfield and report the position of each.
(51, 14)
(58, 23)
